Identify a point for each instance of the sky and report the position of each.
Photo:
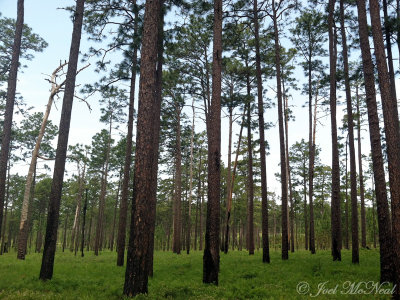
(55, 26)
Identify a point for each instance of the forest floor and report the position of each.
(180, 277)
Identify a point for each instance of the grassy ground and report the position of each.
(180, 277)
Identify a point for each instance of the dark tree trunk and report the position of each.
(389, 50)
(9, 109)
(178, 186)
(335, 215)
(211, 250)
(250, 184)
(311, 158)
(346, 214)
(229, 179)
(350, 127)
(360, 171)
(285, 242)
(115, 214)
(264, 195)
(232, 182)
(305, 206)
(83, 224)
(385, 239)
(137, 268)
(123, 208)
(64, 245)
(392, 133)
(46, 271)
(157, 112)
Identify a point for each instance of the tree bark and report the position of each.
(350, 127)
(264, 195)
(9, 109)
(178, 186)
(385, 238)
(211, 250)
(392, 133)
(360, 171)
(23, 227)
(46, 271)
(284, 185)
(83, 224)
(335, 207)
(250, 182)
(137, 269)
(190, 184)
(123, 210)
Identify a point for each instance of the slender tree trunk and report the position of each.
(335, 215)
(373, 213)
(64, 245)
(264, 195)
(115, 214)
(360, 171)
(250, 184)
(385, 238)
(201, 207)
(103, 192)
(285, 244)
(232, 182)
(306, 239)
(46, 271)
(392, 133)
(350, 127)
(78, 207)
(178, 185)
(9, 109)
(190, 183)
(311, 158)
(291, 213)
(123, 210)
(137, 269)
(346, 215)
(229, 177)
(3, 229)
(23, 230)
(211, 250)
(83, 224)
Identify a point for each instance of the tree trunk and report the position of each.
(23, 230)
(201, 207)
(64, 245)
(232, 182)
(385, 238)
(123, 210)
(83, 224)
(78, 206)
(360, 171)
(250, 184)
(103, 192)
(306, 239)
(335, 214)
(392, 133)
(3, 229)
(229, 178)
(211, 250)
(46, 271)
(115, 214)
(350, 127)
(346, 215)
(264, 195)
(190, 184)
(9, 109)
(156, 137)
(284, 185)
(178, 186)
(137, 269)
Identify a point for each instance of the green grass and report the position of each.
(180, 277)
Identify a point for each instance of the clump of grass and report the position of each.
(180, 276)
